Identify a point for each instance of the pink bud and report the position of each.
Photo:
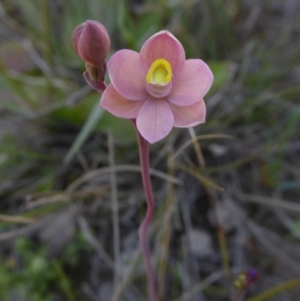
(91, 41)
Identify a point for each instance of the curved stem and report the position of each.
(145, 225)
(239, 295)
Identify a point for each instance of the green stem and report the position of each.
(276, 290)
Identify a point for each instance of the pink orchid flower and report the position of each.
(158, 87)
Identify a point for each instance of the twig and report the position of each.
(118, 168)
(267, 295)
(17, 219)
(197, 138)
(166, 233)
(214, 202)
(192, 263)
(126, 277)
(94, 243)
(197, 148)
(202, 285)
(115, 211)
(265, 238)
(279, 203)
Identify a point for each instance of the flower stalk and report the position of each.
(145, 225)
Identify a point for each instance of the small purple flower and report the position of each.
(244, 280)
(252, 276)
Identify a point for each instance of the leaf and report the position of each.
(121, 129)
(86, 130)
(276, 290)
(221, 71)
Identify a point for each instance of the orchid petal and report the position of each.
(192, 79)
(189, 116)
(119, 106)
(163, 45)
(155, 119)
(127, 71)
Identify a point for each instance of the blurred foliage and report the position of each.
(33, 274)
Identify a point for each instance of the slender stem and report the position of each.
(214, 201)
(239, 295)
(276, 290)
(145, 225)
(115, 212)
(166, 232)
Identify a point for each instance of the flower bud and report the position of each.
(96, 73)
(91, 41)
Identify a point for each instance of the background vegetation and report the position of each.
(63, 160)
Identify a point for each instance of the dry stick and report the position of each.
(192, 263)
(166, 232)
(203, 284)
(115, 212)
(84, 227)
(17, 219)
(145, 225)
(267, 201)
(45, 20)
(196, 138)
(239, 294)
(118, 168)
(197, 148)
(126, 276)
(213, 199)
(267, 295)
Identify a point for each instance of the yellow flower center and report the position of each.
(160, 73)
